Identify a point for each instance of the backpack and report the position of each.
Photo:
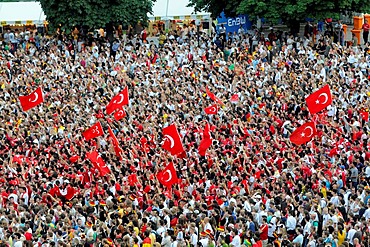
(158, 238)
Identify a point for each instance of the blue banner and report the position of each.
(233, 24)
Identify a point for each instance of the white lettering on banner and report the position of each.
(236, 21)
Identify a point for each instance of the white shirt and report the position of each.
(204, 242)
(291, 223)
(236, 241)
(350, 235)
(298, 240)
(367, 171)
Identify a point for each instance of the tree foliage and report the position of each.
(95, 13)
(286, 10)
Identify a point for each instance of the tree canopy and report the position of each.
(285, 10)
(95, 13)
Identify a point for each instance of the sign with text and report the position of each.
(233, 24)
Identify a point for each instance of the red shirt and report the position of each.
(264, 232)
(366, 27)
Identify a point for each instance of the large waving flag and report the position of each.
(168, 176)
(119, 114)
(98, 163)
(319, 100)
(118, 101)
(206, 141)
(303, 134)
(172, 141)
(33, 99)
(213, 97)
(93, 132)
(211, 110)
(115, 143)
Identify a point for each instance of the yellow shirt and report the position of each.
(323, 191)
(152, 238)
(341, 237)
(136, 229)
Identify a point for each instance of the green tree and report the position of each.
(95, 13)
(289, 11)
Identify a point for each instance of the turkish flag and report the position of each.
(118, 101)
(211, 110)
(213, 97)
(69, 193)
(93, 132)
(98, 162)
(172, 141)
(319, 100)
(234, 98)
(206, 141)
(364, 115)
(115, 143)
(303, 134)
(31, 100)
(168, 176)
(119, 114)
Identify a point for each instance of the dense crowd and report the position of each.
(253, 187)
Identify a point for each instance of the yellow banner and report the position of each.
(3, 23)
(176, 17)
(29, 22)
(18, 22)
(187, 17)
(199, 17)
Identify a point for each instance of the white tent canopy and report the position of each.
(32, 13)
(175, 9)
(21, 13)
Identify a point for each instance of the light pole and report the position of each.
(197, 23)
(167, 21)
(168, 1)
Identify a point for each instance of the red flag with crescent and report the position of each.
(119, 114)
(319, 100)
(168, 176)
(172, 141)
(98, 163)
(211, 110)
(118, 101)
(213, 97)
(303, 134)
(69, 193)
(33, 99)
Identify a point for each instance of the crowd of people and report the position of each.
(253, 187)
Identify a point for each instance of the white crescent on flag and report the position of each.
(172, 141)
(325, 95)
(311, 131)
(36, 97)
(169, 176)
(122, 97)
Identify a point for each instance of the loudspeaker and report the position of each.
(40, 30)
(205, 25)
